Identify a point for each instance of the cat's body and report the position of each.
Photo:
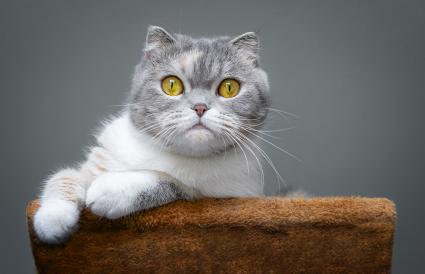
(198, 143)
(122, 148)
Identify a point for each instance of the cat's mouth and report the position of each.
(199, 126)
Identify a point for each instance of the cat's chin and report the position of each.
(199, 134)
(197, 142)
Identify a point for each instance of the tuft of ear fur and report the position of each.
(248, 42)
(158, 38)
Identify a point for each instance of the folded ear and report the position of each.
(158, 38)
(248, 42)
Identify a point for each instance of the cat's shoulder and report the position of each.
(118, 131)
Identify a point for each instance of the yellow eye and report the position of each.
(172, 86)
(228, 88)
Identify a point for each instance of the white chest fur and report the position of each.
(227, 175)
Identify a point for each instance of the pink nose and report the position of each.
(200, 109)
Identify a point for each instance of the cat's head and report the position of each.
(199, 96)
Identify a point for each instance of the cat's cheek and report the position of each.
(55, 221)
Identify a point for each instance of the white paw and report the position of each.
(106, 201)
(114, 195)
(55, 220)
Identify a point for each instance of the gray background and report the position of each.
(353, 71)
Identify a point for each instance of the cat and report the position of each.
(187, 132)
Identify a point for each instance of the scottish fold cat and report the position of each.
(189, 131)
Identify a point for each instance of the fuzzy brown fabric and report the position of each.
(252, 235)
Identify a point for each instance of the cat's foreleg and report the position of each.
(116, 194)
(61, 201)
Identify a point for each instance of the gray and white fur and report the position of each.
(159, 148)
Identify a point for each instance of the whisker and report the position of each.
(265, 156)
(279, 148)
(243, 151)
(260, 166)
(283, 112)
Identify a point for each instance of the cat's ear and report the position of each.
(158, 38)
(248, 43)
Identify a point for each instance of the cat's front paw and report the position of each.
(55, 220)
(117, 194)
(111, 197)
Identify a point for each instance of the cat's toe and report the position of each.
(106, 202)
(55, 221)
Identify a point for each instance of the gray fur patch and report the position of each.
(163, 193)
(201, 64)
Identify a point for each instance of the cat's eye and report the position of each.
(228, 88)
(171, 85)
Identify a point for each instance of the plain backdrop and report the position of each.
(352, 71)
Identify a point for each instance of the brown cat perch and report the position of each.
(255, 235)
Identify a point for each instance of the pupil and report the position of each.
(229, 86)
(171, 83)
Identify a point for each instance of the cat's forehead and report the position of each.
(203, 61)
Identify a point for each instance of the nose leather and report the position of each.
(200, 109)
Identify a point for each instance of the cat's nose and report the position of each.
(200, 109)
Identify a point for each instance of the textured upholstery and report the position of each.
(250, 235)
